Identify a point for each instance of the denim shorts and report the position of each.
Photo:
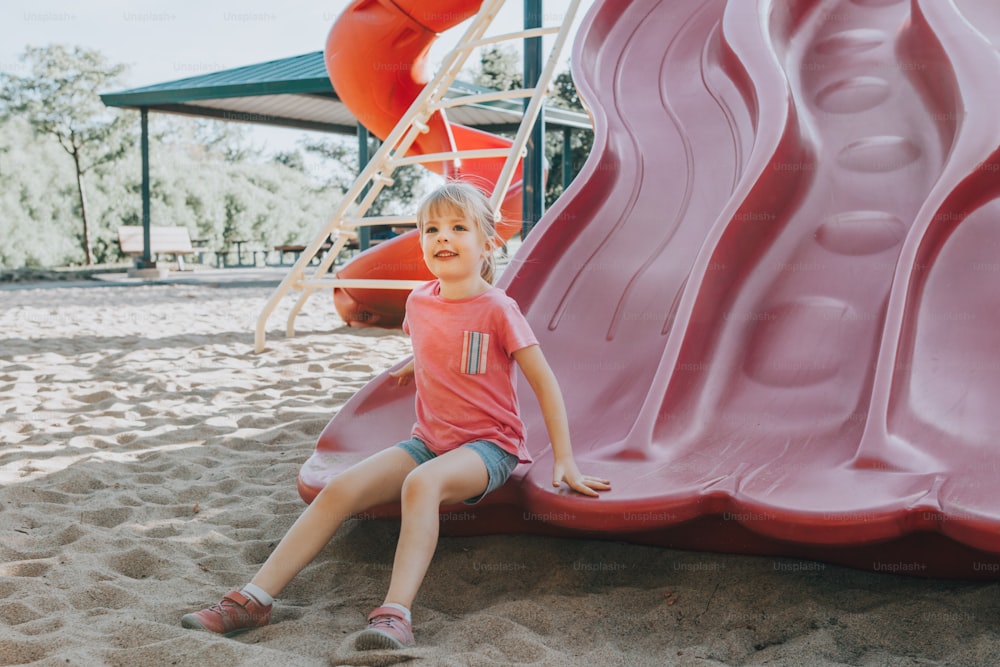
(499, 463)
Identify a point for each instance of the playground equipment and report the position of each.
(770, 296)
(376, 56)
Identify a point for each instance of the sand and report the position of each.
(148, 464)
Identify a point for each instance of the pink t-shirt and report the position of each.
(463, 368)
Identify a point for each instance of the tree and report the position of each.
(205, 176)
(563, 94)
(60, 99)
(221, 200)
(397, 199)
(500, 68)
(291, 159)
(37, 211)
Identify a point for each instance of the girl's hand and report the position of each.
(403, 375)
(566, 471)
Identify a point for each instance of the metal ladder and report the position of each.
(342, 226)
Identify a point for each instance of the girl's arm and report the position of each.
(543, 382)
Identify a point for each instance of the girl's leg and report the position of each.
(374, 481)
(450, 478)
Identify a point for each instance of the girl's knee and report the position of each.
(419, 485)
(339, 497)
(328, 495)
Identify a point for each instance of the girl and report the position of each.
(468, 436)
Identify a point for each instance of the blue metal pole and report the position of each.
(533, 167)
(146, 261)
(567, 157)
(364, 233)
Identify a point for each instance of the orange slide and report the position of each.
(376, 57)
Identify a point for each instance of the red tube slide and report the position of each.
(376, 56)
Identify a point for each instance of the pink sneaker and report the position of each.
(387, 629)
(236, 613)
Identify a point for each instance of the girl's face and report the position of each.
(454, 247)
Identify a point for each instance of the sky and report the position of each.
(164, 40)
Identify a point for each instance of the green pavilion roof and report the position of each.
(296, 92)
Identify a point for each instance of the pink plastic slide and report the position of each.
(771, 297)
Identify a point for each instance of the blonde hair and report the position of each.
(473, 204)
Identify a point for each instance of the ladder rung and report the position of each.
(454, 155)
(509, 36)
(362, 283)
(481, 98)
(397, 220)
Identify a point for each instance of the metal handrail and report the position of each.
(457, 156)
(480, 98)
(397, 220)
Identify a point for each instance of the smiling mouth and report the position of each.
(446, 253)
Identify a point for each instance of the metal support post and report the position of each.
(146, 261)
(534, 159)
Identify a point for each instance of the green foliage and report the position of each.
(204, 174)
(38, 223)
(409, 183)
(291, 159)
(222, 198)
(501, 68)
(563, 94)
(60, 99)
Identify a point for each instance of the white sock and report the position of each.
(258, 594)
(406, 612)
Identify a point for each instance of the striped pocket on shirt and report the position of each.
(474, 346)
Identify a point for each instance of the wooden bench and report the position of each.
(296, 250)
(166, 240)
(293, 250)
